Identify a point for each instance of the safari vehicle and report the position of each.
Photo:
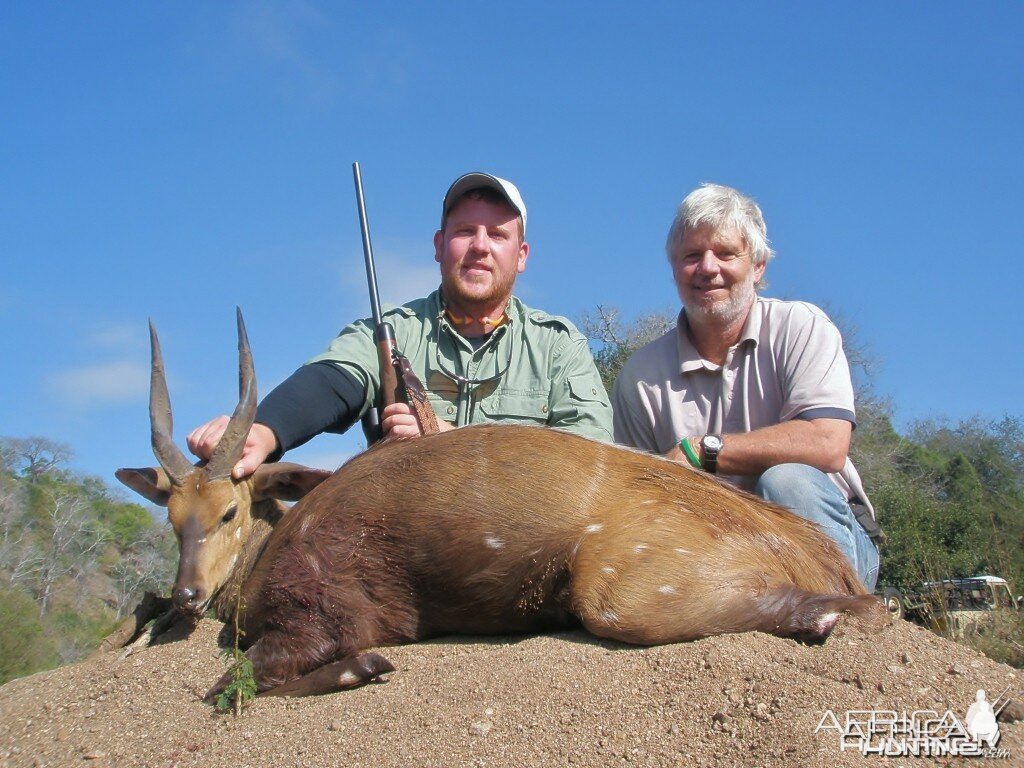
(951, 606)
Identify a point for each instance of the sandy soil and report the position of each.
(556, 700)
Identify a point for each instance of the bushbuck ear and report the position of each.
(149, 482)
(288, 482)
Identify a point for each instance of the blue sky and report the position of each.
(172, 160)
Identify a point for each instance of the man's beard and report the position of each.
(731, 310)
(499, 290)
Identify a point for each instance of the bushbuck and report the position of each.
(488, 529)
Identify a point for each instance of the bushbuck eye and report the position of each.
(229, 515)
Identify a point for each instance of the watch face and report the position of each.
(712, 442)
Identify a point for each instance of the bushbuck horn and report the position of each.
(167, 453)
(229, 449)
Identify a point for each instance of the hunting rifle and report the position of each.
(397, 381)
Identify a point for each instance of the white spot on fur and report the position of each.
(238, 533)
(201, 541)
(610, 617)
(231, 565)
(609, 570)
(348, 678)
(595, 528)
(494, 542)
(641, 547)
(667, 589)
(681, 551)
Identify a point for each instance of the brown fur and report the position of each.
(499, 529)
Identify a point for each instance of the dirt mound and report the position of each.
(565, 699)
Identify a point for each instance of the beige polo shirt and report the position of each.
(788, 364)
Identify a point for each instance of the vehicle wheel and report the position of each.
(893, 601)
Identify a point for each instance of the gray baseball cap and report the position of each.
(474, 180)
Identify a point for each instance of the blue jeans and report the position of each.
(810, 494)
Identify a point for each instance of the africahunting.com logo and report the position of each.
(921, 733)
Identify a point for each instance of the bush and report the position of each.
(24, 647)
(127, 523)
(79, 632)
(1001, 638)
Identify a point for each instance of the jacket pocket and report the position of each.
(585, 388)
(517, 407)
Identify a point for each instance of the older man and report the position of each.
(482, 354)
(756, 390)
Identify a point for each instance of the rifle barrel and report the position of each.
(364, 225)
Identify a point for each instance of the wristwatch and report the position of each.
(711, 445)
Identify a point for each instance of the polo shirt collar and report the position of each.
(691, 360)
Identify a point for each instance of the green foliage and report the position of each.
(1001, 638)
(125, 522)
(77, 631)
(242, 686)
(24, 646)
(73, 557)
(949, 499)
(928, 539)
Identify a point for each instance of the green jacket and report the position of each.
(535, 369)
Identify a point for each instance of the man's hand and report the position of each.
(399, 422)
(260, 443)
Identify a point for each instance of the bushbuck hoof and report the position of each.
(337, 676)
(218, 688)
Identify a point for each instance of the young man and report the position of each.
(756, 390)
(480, 352)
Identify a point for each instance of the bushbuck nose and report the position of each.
(184, 598)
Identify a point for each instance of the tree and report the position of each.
(8, 457)
(145, 565)
(34, 456)
(68, 548)
(12, 521)
(951, 502)
(616, 341)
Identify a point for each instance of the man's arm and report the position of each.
(318, 397)
(820, 443)
(816, 419)
(579, 400)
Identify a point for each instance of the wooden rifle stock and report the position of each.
(391, 389)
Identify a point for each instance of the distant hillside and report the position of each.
(74, 557)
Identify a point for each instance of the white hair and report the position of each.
(718, 206)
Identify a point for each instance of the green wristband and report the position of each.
(691, 454)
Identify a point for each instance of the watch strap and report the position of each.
(711, 454)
